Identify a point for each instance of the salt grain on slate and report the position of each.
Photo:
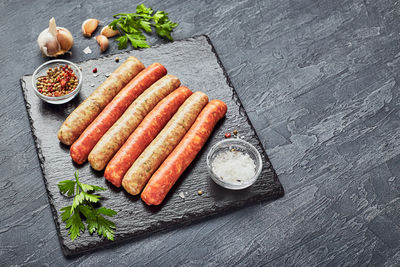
(87, 50)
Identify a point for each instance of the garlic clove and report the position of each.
(65, 38)
(89, 26)
(103, 42)
(107, 31)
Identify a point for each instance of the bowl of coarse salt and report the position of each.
(234, 163)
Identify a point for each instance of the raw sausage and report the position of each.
(175, 164)
(87, 111)
(81, 148)
(116, 136)
(152, 157)
(148, 129)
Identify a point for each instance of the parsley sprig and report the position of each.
(83, 205)
(133, 25)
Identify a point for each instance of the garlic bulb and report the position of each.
(55, 41)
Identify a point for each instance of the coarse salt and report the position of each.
(233, 166)
(87, 50)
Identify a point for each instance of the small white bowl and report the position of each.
(41, 71)
(239, 145)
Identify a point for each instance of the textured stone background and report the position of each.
(319, 80)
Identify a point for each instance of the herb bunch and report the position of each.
(83, 210)
(133, 25)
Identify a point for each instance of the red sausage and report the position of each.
(148, 129)
(184, 153)
(81, 148)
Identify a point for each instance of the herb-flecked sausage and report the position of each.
(81, 148)
(147, 130)
(88, 110)
(152, 157)
(180, 158)
(116, 136)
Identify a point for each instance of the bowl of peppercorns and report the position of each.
(57, 81)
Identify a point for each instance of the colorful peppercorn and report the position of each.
(95, 70)
(227, 135)
(58, 81)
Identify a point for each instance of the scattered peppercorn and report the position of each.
(200, 192)
(58, 81)
(227, 135)
(235, 132)
(95, 70)
(117, 59)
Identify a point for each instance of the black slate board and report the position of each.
(196, 63)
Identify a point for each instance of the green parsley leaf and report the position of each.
(160, 16)
(142, 9)
(82, 211)
(75, 225)
(67, 186)
(105, 211)
(66, 213)
(87, 187)
(123, 42)
(145, 25)
(114, 24)
(132, 25)
(137, 40)
(105, 227)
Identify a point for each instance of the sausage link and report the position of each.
(147, 130)
(152, 157)
(81, 148)
(180, 158)
(87, 111)
(116, 136)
